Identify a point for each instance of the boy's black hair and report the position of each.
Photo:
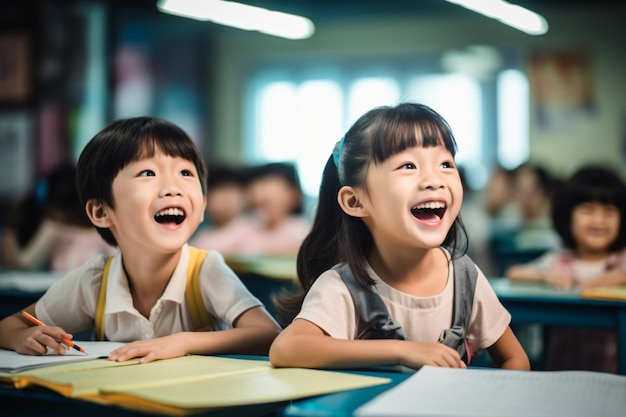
(337, 237)
(589, 184)
(123, 142)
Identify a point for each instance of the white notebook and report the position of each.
(11, 361)
(435, 392)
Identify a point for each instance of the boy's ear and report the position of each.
(348, 200)
(98, 214)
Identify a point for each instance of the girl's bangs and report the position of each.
(392, 138)
(588, 193)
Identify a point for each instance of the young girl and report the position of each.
(387, 217)
(587, 212)
(142, 182)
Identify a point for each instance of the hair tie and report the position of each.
(337, 151)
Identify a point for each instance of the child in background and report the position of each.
(386, 229)
(275, 225)
(226, 207)
(225, 197)
(588, 213)
(533, 189)
(142, 182)
(65, 238)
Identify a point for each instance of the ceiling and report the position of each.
(340, 9)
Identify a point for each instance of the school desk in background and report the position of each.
(19, 289)
(537, 303)
(265, 276)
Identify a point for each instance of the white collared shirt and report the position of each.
(71, 302)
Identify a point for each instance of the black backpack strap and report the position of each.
(465, 277)
(371, 308)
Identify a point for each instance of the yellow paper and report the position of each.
(612, 293)
(189, 384)
(268, 385)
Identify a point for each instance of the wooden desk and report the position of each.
(537, 303)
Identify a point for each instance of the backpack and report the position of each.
(373, 311)
(199, 316)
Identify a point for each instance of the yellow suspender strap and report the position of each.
(193, 294)
(102, 300)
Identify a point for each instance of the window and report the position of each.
(298, 115)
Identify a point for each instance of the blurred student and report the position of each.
(383, 274)
(226, 197)
(498, 200)
(533, 188)
(142, 182)
(64, 239)
(274, 226)
(589, 213)
(527, 233)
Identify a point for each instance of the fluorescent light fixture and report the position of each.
(241, 16)
(509, 14)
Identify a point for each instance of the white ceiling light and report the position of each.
(241, 16)
(509, 14)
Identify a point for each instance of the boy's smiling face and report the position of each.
(158, 203)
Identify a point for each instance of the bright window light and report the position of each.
(513, 118)
(241, 16)
(276, 117)
(510, 14)
(367, 93)
(457, 98)
(300, 123)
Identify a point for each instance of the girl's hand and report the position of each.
(35, 340)
(417, 354)
(558, 281)
(166, 347)
(609, 279)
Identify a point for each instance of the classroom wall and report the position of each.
(597, 31)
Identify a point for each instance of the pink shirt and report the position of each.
(62, 247)
(248, 236)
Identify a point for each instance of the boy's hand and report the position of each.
(418, 354)
(166, 347)
(35, 340)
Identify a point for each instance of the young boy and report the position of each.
(142, 182)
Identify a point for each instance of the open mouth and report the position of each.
(429, 211)
(170, 215)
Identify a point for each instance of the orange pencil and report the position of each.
(38, 322)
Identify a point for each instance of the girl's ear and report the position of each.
(98, 214)
(348, 200)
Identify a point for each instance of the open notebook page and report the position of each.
(11, 361)
(477, 392)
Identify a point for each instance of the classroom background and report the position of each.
(554, 101)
